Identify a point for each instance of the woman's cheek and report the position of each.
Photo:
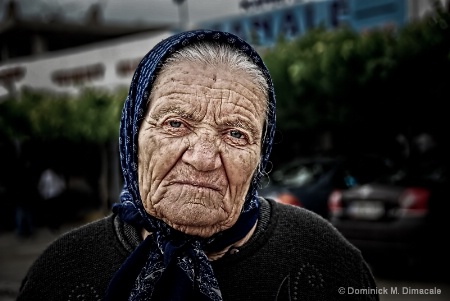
(240, 169)
(161, 158)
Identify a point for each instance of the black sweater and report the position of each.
(293, 255)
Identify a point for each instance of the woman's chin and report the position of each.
(203, 223)
(198, 231)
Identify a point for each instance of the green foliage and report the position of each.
(91, 116)
(316, 75)
(326, 79)
(384, 78)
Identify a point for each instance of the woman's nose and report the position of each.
(203, 152)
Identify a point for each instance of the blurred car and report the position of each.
(308, 182)
(398, 220)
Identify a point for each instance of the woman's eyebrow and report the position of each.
(159, 113)
(235, 122)
(240, 123)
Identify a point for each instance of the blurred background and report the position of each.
(361, 138)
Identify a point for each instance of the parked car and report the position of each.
(400, 220)
(308, 182)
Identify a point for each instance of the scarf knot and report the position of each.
(176, 248)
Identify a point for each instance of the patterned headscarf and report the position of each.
(170, 265)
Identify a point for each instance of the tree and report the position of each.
(56, 124)
(363, 87)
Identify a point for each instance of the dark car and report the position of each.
(400, 220)
(308, 182)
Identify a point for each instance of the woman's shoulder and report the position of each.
(92, 230)
(86, 236)
(75, 248)
(302, 225)
(296, 215)
(86, 254)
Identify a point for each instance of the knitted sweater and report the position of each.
(293, 255)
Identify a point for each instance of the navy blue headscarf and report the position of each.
(170, 265)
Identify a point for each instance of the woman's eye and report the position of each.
(175, 127)
(175, 123)
(237, 138)
(236, 134)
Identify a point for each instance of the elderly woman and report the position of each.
(195, 136)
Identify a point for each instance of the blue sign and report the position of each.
(370, 14)
(292, 21)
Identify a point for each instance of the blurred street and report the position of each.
(17, 254)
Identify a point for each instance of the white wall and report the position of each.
(419, 8)
(39, 70)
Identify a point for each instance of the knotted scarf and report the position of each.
(168, 264)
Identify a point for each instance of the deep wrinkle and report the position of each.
(190, 114)
(156, 180)
(192, 182)
(234, 122)
(237, 122)
(208, 134)
(215, 85)
(171, 166)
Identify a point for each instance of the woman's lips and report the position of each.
(198, 184)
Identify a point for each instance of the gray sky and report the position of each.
(129, 10)
(135, 11)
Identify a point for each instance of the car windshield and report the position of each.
(344, 172)
(302, 171)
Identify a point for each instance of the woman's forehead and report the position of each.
(207, 81)
(192, 93)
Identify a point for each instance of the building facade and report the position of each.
(110, 62)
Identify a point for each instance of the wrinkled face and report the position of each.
(199, 146)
